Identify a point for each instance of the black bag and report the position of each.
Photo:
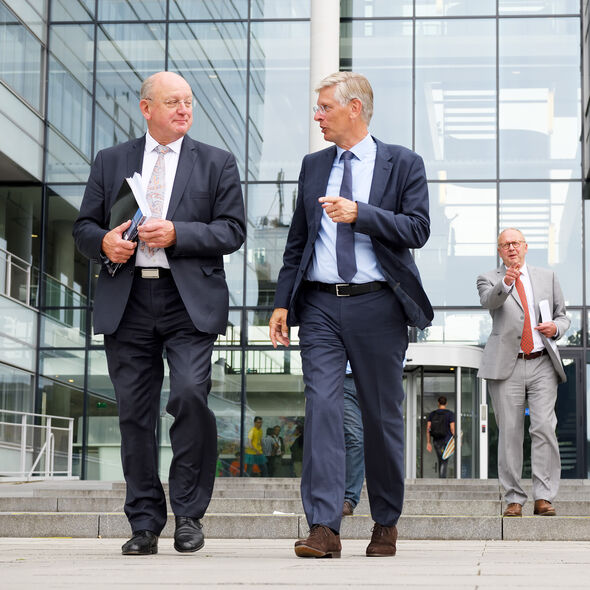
(439, 427)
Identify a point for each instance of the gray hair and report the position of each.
(147, 87)
(350, 85)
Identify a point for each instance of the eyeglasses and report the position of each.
(516, 245)
(321, 109)
(172, 103)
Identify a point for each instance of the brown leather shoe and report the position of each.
(322, 542)
(347, 508)
(544, 508)
(382, 541)
(513, 509)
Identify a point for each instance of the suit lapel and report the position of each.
(186, 162)
(324, 168)
(135, 156)
(381, 173)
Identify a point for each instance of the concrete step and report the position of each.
(224, 526)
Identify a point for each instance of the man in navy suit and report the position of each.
(350, 282)
(169, 294)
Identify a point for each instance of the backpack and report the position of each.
(439, 424)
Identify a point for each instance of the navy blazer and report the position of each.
(207, 209)
(396, 218)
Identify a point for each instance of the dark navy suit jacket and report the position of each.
(207, 209)
(396, 218)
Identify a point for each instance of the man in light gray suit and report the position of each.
(521, 362)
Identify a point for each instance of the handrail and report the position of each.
(47, 452)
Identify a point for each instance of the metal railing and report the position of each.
(15, 277)
(35, 446)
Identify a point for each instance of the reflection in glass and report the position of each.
(283, 9)
(462, 242)
(458, 327)
(270, 208)
(274, 388)
(21, 56)
(376, 8)
(131, 10)
(66, 268)
(69, 103)
(573, 336)
(59, 399)
(72, 10)
(539, 98)
(549, 215)
(279, 99)
(66, 366)
(18, 334)
(469, 423)
(103, 440)
(528, 8)
(212, 59)
(456, 96)
(16, 390)
(455, 7)
(382, 51)
(63, 328)
(126, 54)
(207, 10)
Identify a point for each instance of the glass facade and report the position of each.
(488, 92)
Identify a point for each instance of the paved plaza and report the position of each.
(85, 564)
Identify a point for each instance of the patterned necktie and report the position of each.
(345, 257)
(155, 193)
(526, 344)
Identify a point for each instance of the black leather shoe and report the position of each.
(141, 543)
(188, 536)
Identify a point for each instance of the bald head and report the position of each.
(166, 104)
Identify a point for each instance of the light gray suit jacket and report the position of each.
(503, 345)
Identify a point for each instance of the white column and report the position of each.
(324, 56)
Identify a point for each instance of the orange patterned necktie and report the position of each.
(526, 344)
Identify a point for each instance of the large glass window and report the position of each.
(539, 114)
(207, 10)
(455, 7)
(376, 8)
(212, 59)
(462, 241)
(382, 51)
(550, 216)
(529, 8)
(456, 98)
(21, 58)
(279, 100)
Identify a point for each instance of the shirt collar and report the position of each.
(151, 143)
(361, 150)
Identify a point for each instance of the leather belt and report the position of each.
(533, 355)
(346, 289)
(152, 273)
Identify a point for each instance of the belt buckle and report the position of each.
(150, 273)
(338, 285)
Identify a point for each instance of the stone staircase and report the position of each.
(250, 508)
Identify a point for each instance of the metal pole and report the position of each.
(47, 444)
(23, 445)
(70, 445)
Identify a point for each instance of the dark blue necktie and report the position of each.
(344, 235)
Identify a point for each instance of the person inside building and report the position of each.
(522, 365)
(350, 282)
(169, 294)
(440, 428)
(253, 453)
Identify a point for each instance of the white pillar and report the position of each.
(324, 56)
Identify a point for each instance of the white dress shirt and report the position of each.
(525, 279)
(170, 164)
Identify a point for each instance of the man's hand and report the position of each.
(548, 329)
(278, 329)
(115, 247)
(340, 209)
(157, 233)
(512, 274)
(429, 447)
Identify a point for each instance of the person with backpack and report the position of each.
(440, 428)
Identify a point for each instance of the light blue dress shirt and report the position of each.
(324, 267)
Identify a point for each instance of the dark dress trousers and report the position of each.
(370, 330)
(180, 314)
